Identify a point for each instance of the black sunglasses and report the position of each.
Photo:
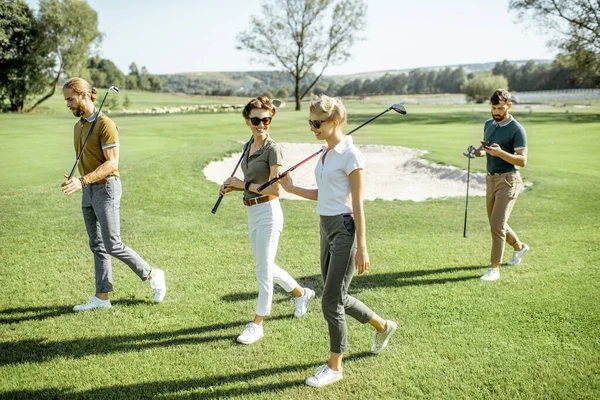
(315, 124)
(256, 121)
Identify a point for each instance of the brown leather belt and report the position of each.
(258, 200)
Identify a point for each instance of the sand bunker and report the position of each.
(392, 173)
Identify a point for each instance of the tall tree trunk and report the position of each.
(297, 93)
(46, 97)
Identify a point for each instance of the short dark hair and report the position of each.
(499, 96)
(259, 102)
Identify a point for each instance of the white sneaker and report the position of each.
(251, 334)
(518, 255)
(158, 285)
(324, 376)
(380, 340)
(93, 304)
(303, 302)
(491, 274)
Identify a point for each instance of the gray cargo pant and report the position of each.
(100, 204)
(338, 247)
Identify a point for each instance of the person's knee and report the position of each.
(114, 248)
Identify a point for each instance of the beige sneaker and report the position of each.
(93, 304)
(158, 285)
(518, 255)
(324, 376)
(380, 340)
(492, 274)
(303, 302)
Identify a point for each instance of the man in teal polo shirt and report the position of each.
(505, 147)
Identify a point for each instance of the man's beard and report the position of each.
(78, 112)
(498, 117)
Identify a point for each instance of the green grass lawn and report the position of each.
(532, 334)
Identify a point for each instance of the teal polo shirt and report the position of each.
(257, 167)
(510, 136)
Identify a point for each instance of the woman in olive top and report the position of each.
(339, 196)
(262, 161)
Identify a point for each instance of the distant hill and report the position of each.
(250, 83)
(478, 67)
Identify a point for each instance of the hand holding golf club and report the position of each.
(71, 185)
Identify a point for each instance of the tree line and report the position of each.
(39, 48)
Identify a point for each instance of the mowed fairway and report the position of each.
(535, 333)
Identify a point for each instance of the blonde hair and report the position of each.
(327, 108)
(259, 103)
(81, 86)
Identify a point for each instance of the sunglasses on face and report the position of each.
(256, 121)
(315, 124)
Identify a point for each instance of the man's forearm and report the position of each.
(515, 159)
(104, 170)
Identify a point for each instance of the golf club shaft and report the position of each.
(467, 201)
(284, 173)
(216, 206)
(88, 135)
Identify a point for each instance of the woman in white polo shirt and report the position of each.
(339, 196)
(262, 161)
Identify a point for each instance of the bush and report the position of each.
(481, 86)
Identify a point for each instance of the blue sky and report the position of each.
(197, 36)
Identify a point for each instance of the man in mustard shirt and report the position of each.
(101, 196)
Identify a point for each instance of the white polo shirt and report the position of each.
(332, 177)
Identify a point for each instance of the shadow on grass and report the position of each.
(212, 386)
(22, 314)
(40, 350)
(373, 281)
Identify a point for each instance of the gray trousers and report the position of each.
(338, 247)
(100, 204)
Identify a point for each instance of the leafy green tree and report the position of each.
(482, 85)
(104, 73)
(291, 35)
(576, 27)
(282, 93)
(70, 27)
(133, 69)
(155, 83)
(22, 55)
(131, 82)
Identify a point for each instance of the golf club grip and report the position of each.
(284, 173)
(214, 210)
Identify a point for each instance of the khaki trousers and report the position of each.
(502, 191)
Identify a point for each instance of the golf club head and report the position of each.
(399, 108)
(276, 102)
(114, 89)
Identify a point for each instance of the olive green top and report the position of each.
(257, 167)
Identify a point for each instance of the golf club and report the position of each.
(114, 89)
(276, 103)
(469, 155)
(214, 210)
(399, 108)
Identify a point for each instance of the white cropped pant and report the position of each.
(265, 223)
